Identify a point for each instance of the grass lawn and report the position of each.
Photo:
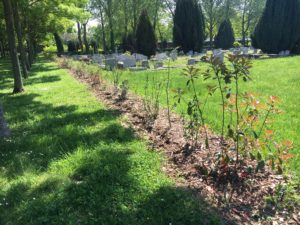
(69, 161)
(279, 77)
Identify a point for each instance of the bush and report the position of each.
(225, 36)
(72, 47)
(279, 26)
(188, 31)
(145, 36)
(237, 44)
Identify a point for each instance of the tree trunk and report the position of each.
(86, 43)
(110, 25)
(125, 8)
(59, 44)
(103, 31)
(9, 19)
(30, 51)
(2, 49)
(79, 36)
(18, 28)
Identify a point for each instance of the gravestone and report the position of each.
(191, 62)
(97, 58)
(216, 51)
(196, 54)
(174, 55)
(139, 57)
(128, 60)
(145, 64)
(245, 50)
(110, 63)
(181, 53)
(158, 64)
(120, 65)
(220, 57)
(161, 56)
(287, 52)
(75, 57)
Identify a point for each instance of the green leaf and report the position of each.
(260, 166)
(259, 156)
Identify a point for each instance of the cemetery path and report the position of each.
(4, 130)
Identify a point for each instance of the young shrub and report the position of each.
(194, 110)
(153, 89)
(279, 27)
(225, 37)
(124, 90)
(188, 31)
(145, 36)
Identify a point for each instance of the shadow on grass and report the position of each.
(102, 190)
(58, 131)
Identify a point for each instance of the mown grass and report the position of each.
(279, 77)
(69, 161)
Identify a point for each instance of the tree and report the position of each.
(250, 12)
(212, 13)
(10, 30)
(145, 36)
(279, 27)
(188, 31)
(18, 27)
(85, 40)
(225, 36)
(59, 44)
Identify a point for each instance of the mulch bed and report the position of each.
(4, 130)
(246, 192)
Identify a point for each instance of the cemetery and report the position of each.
(149, 112)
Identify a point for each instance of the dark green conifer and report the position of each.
(279, 26)
(188, 31)
(145, 36)
(225, 36)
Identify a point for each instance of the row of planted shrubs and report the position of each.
(245, 138)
